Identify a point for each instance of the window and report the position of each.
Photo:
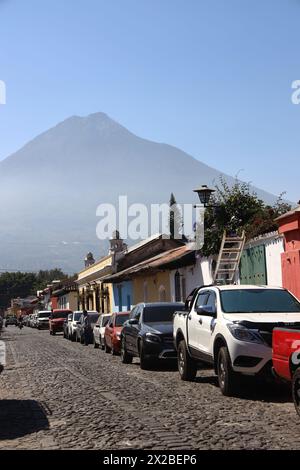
(120, 300)
(202, 299)
(121, 319)
(259, 301)
(160, 314)
(212, 301)
(177, 287)
(162, 294)
(128, 303)
(137, 312)
(183, 287)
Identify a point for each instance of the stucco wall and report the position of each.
(127, 296)
(68, 301)
(198, 275)
(152, 284)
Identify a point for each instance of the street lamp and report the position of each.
(204, 194)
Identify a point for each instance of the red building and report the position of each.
(289, 226)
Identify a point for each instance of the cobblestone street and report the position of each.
(55, 394)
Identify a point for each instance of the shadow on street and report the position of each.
(21, 417)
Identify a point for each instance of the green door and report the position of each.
(253, 269)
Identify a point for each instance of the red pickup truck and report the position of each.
(56, 320)
(286, 359)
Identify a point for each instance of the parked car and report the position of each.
(99, 330)
(112, 332)
(93, 317)
(42, 320)
(33, 322)
(73, 324)
(286, 358)
(230, 327)
(11, 321)
(56, 320)
(66, 325)
(148, 334)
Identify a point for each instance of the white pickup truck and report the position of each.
(230, 327)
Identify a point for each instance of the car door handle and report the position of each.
(190, 317)
(200, 321)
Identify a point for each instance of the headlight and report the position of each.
(118, 335)
(153, 338)
(244, 334)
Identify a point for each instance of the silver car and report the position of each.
(99, 329)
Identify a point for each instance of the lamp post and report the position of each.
(204, 193)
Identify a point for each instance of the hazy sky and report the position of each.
(212, 77)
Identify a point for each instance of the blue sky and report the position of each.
(212, 77)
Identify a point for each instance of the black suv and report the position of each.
(148, 334)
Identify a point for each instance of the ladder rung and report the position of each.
(234, 239)
(230, 250)
(226, 270)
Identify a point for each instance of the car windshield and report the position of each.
(56, 315)
(121, 319)
(44, 315)
(161, 313)
(259, 301)
(93, 317)
(105, 320)
(77, 316)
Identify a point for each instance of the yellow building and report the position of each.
(93, 294)
(150, 279)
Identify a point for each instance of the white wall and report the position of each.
(197, 275)
(274, 248)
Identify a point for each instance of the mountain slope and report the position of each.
(50, 188)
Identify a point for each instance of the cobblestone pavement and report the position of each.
(55, 394)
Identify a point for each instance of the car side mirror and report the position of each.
(207, 310)
(133, 321)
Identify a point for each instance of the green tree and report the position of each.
(238, 209)
(17, 284)
(175, 219)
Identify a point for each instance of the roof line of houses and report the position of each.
(164, 269)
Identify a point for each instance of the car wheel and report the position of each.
(186, 365)
(73, 337)
(145, 363)
(50, 332)
(101, 344)
(296, 390)
(96, 345)
(227, 378)
(106, 348)
(125, 357)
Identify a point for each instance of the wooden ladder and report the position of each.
(231, 250)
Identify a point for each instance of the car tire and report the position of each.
(73, 337)
(96, 345)
(106, 348)
(296, 390)
(186, 365)
(145, 363)
(125, 357)
(227, 378)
